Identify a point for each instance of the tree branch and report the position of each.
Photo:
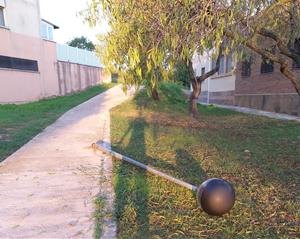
(284, 64)
(289, 51)
(214, 70)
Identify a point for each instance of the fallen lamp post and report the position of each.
(215, 196)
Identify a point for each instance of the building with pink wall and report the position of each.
(30, 68)
(21, 85)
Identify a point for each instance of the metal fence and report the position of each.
(75, 55)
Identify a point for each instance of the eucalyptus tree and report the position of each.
(131, 48)
(147, 38)
(186, 27)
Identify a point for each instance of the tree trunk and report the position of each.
(196, 90)
(291, 76)
(197, 81)
(154, 94)
(194, 98)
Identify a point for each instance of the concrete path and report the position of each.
(269, 114)
(252, 111)
(48, 187)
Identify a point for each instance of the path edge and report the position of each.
(107, 192)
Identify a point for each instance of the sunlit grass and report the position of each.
(258, 155)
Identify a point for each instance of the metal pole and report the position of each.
(208, 86)
(100, 147)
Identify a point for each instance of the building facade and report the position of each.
(32, 65)
(21, 16)
(261, 85)
(47, 30)
(255, 83)
(219, 88)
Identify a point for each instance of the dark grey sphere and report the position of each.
(216, 196)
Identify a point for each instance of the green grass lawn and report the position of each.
(20, 123)
(258, 155)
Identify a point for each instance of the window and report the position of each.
(225, 65)
(46, 31)
(2, 22)
(221, 68)
(246, 68)
(267, 66)
(202, 71)
(18, 63)
(50, 33)
(296, 65)
(228, 64)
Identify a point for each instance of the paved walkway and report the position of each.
(48, 187)
(252, 111)
(258, 112)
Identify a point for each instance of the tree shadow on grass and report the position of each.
(132, 187)
(189, 168)
(132, 184)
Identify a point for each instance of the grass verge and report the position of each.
(98, 216)
(258, 155)
(20, 123)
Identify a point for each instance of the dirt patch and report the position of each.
(175, 121)
(5, 137)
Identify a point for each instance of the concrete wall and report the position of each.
(221, 83)
(23, 16)
(53, 78)
(221, 89)
(269, 91)
(74, 77)
(78, 56)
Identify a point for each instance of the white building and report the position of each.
(220, 87)
(47, 29)
(27, 23)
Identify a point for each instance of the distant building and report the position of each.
(255, 83)
(32, 65)
(219, 88)
(21, 16)
(47, 29)
(260, 85)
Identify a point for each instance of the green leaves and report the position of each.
(133, 57)
(147, 37)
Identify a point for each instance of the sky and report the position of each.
(64, 13)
